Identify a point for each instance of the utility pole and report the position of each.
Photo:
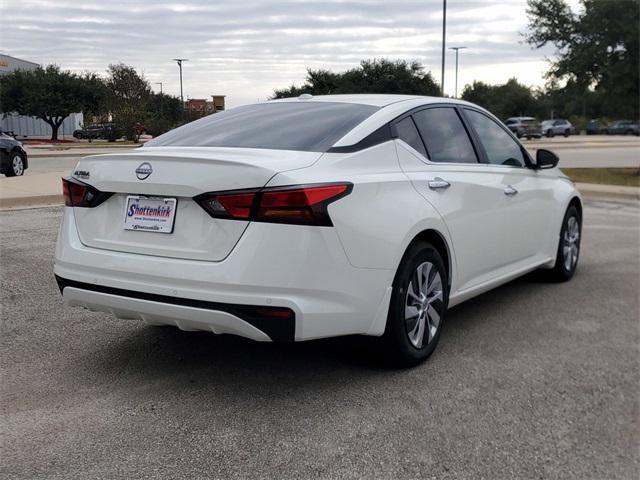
(161, 99)
(444, 36)
(457, 49)
(179, 61)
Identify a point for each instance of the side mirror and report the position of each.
(546, 159)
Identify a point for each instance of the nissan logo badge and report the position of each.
(143, 171)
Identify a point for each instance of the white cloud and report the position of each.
(246, 49)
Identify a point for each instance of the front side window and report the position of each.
(500, 148)
(444, 136)
(408, 133)
(307, 126)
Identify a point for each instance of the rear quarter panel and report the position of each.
(383, 213)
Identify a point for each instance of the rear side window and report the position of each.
(444, 136)
(408, 133)
(307, 126)
(501, 149)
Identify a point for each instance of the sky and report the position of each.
(244, 49)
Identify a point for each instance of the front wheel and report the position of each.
(567, 133)
(418, 306)
(568, 246)
(15, 166)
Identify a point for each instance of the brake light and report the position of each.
(298, 204)
(79, 194)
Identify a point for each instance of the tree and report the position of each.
(165, 112)
(508, 100)
(597, 48)
(371, 76)
(50, 94)
(129, 99)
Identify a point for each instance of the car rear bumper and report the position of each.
(302, 269)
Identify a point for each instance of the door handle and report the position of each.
(438, 184)
(510, 191)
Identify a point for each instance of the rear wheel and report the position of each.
(568, 246)
(418, 306)
(567, 133)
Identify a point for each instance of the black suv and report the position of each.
(13, 158)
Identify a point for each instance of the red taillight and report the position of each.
(300, 205)
(238, 205)
(78, 194)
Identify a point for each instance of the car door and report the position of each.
(436, 153)
(527, 195)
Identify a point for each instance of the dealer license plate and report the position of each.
(150, 214)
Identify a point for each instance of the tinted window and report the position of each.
(501, 149)
(444, 136)
(310, 126)
(408, 132)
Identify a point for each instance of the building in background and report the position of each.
(202, 106)
(9, 64)
(31, 127)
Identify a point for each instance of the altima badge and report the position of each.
(143, 171)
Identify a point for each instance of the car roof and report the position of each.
(373, 99)
(389, 107)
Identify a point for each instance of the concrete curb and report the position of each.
(590, 193)
(35, 201)
(59, 154)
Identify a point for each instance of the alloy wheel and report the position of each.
(424, 304)
(571, 243)
(17, 164)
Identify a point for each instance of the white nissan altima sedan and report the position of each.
(315, 217)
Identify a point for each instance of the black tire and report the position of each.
(11, 168)
(398, 347)
(561, 272)
(550, 133)
(567, 133)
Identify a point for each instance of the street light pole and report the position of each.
(444, 36)
(179, 61)
(161, 99)
(457, 49)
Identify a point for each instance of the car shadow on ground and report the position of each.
(162, 351)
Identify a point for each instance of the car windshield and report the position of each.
(306, 126)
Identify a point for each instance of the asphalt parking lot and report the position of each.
(532, 380)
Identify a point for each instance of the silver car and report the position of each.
(558, 126)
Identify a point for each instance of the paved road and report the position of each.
(532, 380)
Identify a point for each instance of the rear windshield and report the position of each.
(308, 126)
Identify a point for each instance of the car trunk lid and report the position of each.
(179, 173)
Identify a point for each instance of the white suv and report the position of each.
(316, 217)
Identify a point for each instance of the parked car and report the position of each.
(595, 127)
(623, 127)
(104, 131)
(527, 127)
(316, 217)
(13, 157)
(558, 126)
